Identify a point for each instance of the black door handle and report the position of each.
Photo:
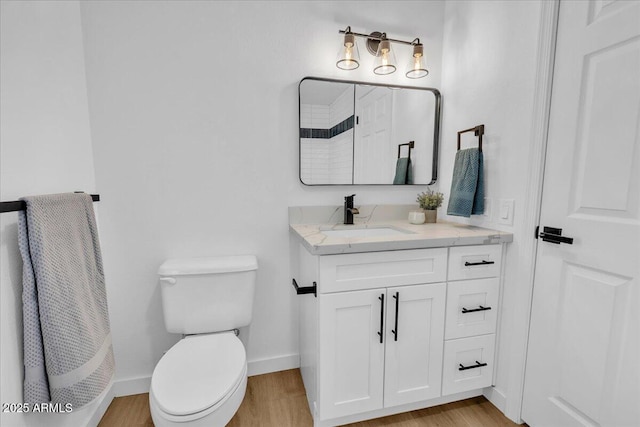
(395, 331)
(381, 298)
(553, 235)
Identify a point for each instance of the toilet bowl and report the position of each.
(200, 381)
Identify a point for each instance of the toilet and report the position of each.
(202, 379)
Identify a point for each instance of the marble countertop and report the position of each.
(413, 236)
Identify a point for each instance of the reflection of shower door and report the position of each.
(372, 137)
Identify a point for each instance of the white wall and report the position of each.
(413, 113)
(489, 77)
(196, 154)
(194, 114)
(46, 148)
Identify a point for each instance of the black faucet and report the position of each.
(349, 210)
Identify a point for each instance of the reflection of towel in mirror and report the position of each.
(404, 171)
(467, 185)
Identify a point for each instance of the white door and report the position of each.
(583, 359)
(414, 340)
(373, 158)
(351, 363)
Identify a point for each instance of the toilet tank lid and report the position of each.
(208, 265)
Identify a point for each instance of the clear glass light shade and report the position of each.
(348, 55)
(385, 62)
(417, 67)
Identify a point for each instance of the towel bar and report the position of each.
(478, 131)
(306, 289)
(20, 205)
(410, 144)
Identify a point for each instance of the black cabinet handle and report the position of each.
(477, 365)
(480, 308)
(395, 331)
(381, 298)
(305, 290)
(483, 262)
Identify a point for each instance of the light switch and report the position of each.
(505, 214)
(504, 211)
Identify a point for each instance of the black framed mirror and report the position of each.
(359, 133)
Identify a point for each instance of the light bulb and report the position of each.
(416, 68)
(385, 59)
(348, 52)
(348, 56)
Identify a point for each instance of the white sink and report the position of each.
(364, 232)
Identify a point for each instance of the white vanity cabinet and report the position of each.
(369, 360)
(389, 331)
(472, 311)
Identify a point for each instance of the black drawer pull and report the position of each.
(483, 262)
(480, 308)
(477, 365)
(305, 290)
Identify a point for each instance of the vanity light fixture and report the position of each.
(385, 62)
(417, 68)
(348, 56)
(379, 45)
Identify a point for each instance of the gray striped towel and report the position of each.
(68, 357)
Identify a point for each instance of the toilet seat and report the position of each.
(197, 375)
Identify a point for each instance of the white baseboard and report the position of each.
(273, 364)
(137, 385)
(102, 404)
(496, 397)
(130, 386)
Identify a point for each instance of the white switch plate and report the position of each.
(505, 211)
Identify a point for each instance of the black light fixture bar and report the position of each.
(383, 36)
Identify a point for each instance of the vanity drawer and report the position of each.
(370, 270)
(474, 262)
(464, 364)
(472, 307)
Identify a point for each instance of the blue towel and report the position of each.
(404, 171)
(467, 185)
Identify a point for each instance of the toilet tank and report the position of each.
(209, 294)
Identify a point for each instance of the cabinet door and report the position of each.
(351, 362)
(413, 364)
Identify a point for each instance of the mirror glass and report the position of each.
(364, 133)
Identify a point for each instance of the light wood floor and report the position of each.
(279, 400)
